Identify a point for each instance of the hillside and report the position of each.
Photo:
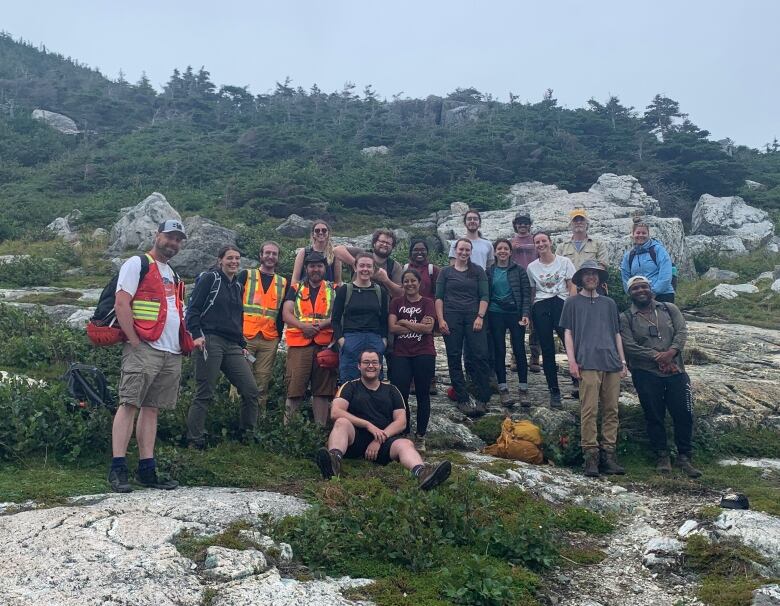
(238, 157)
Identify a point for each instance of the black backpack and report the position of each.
(104, 312)
(88, 386)
(632, 255)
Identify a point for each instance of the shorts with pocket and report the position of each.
(150, 377)
(363, 437)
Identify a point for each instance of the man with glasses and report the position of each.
(387, 271)
(368, 419)
(654, 335)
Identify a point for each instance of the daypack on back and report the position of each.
(103, 328)
(351, 288)
(213, 291)
(632, 254)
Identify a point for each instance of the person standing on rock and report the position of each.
(307, 312)
(368, 420)
(263, 292)
(215, 319)
(481, 249)
(387, 271)
(411, 320)
(550, 276)
(508, 310)
(149, 310)
(581, 247)
(523, 253)
(462, 296)
(321, 242)
(654, 335)
(650, 259)
(595, 352)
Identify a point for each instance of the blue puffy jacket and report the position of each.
(659, 272)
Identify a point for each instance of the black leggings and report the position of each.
(419, 369)
(546, 316)
(499, 323)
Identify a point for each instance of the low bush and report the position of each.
(30, 271)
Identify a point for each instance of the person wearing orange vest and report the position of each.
(263, 296)
(307, 312)
(150, 313)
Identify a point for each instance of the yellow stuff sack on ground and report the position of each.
(519, 440)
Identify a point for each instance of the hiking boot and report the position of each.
(149, 479)
(329, 463)
(433, 475)
(684, 463)
(506, 399)
(533, 364)
(419, 443)
(117, 478)
(662, 463)
(609, 464)
(555, 399)
(197, 444)
(469, 408)
(483, 408)
(433, 390)
(591, 466)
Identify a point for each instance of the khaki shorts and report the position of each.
(149, 377)
(302, 368)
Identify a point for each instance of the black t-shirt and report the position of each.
(374, 406)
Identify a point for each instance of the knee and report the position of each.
(342, 424)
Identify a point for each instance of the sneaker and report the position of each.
(329, 463)
(118, 480)
(555, 399)
(433, 475)
(506, 399)
(419, 443)
(149, 479)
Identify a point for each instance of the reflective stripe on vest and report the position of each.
(146, 310)
(253, 284)
(295, 336)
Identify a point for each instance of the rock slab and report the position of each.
(136, 229)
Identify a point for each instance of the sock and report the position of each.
(502, 386)
(146, 465)
(118, 462)
(416, 470)
(337, 452)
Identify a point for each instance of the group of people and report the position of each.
(341, 336)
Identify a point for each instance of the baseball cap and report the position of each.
(636, 279)
(578, 212)
(170, 226)
(314, 256)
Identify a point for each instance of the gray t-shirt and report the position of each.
(594, 322)
(481, 252)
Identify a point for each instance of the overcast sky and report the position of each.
(718, 58)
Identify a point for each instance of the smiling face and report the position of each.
(590, 279)
(167, 245)
(579, 227)
(383, 246)
(419, 254)
(269, 258)
(641, 234)
(315, 272)
(503, 252)
(641, 294)
(411, 285)
(230, 262)
(320, 233)
(369, 365)
(463, 251)
(364, 268)
(522, 229)
(542, 243)
(472, 222)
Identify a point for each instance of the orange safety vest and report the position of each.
(307, 311)
(261, 309)
(150, 307)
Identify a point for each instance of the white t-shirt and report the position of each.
(129, 275)
(550, 280)
(481, 252)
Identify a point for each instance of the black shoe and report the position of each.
(197, 444)
(148, 478)
(433, 475)
(117, 477)
(555, 399)
(329, 463)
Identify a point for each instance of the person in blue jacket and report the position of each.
(648, 258)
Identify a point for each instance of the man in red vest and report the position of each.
(149, 310)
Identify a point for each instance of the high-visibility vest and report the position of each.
(308, 311)
(150, 307)
(261, 309)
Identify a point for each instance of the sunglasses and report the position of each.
(320, 230)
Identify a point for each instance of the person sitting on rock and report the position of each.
(654, 335)
(595, 352)
(368, 419)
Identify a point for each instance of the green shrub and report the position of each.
(486, 581)
(30, 271)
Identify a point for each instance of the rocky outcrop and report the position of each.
(731, 291)
(295, 227)
(611, 203)
(136, 229)
(199, 251)
(59, 122)
(755, 529)
(718, 275)
(378, 150)
(61, 227)
(728, 226)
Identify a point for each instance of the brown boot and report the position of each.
(684, 463)
(591, 466)
(533, 364)
(609, 464)
(662, 463)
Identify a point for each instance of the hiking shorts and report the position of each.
(302, 369)
(150, 377)
(363, 437)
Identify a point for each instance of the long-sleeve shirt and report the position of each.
(225, 317)
(364, 312)
(659, 272)
(640, 346)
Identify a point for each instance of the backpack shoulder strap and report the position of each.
(350, 290)
(630, 318)
(378, 291)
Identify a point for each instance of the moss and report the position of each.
(194, 546)
(585, 556)
(488, 428)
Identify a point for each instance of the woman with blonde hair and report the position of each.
(321, 242)
(650, 259)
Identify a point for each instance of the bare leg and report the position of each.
(341, 436)
(146, 432)
(321, 408)
(122, 429)
(403, 451)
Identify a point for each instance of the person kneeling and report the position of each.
(368, 418)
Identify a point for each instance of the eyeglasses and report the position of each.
(386, 242)
(370, 363)
(320, 230)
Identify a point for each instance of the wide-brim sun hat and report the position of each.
(592, 265)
